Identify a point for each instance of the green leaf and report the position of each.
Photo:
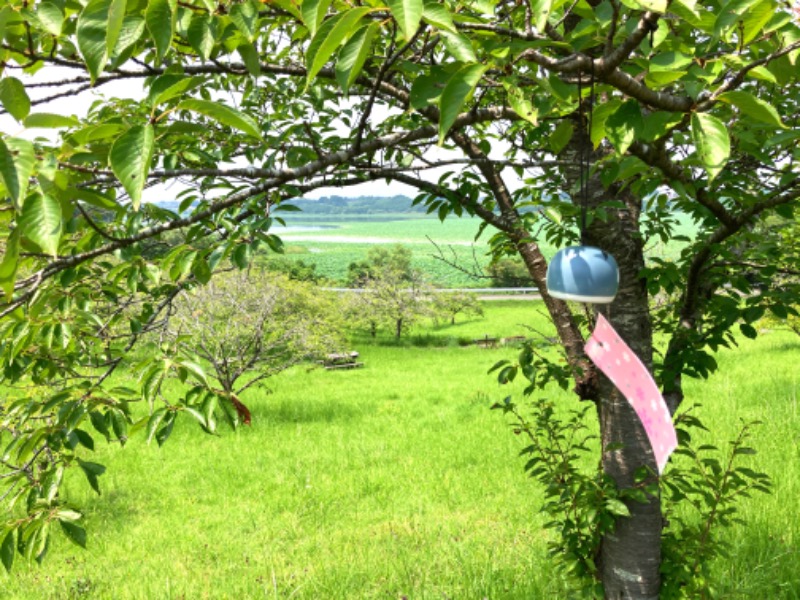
(8, 267)
(658, 79)
(51, 17)
(250, 58)
(779, 310)
(92, 31)
(427, 89)
(198, 416)
(600, 115)
(49, 121)
(755, 18)
(686, 9)
(75, 533)
(711, 141)
(657, 124)
(659, 6)
(133, 27)
(92, 472)
(329, 37)
(41, 222)
(66, 514)
(225, 115)
(617, 507)
(753, 313)
(195, 370)
(160, 20)
(244, 16)
(167, 87)
(99, 423)
(201, 35)
(201, 270)
(748, 331)
(314, 12)
(14, 98)
(85, 439)
(120, 425)
(408, 14)
(436, 14)
(354, 54)
(458, 89)
(154, 422)
(163, 433)
(161, 84)
(540, 9)
(459, 46)
(561, 136)
(671, 61)
(290, 6)
(17, 160)
(116, 17)
(151, 382)
(521, 105)
(763, 74)
(7, 550)
(93, 198)
(130, 158)
(753, 107)
(622, 126)
(242, 256)
(497, 365)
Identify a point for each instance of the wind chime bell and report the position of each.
(583, 273)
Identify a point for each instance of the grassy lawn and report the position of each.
(391, 481)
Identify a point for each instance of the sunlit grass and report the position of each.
(390, 481)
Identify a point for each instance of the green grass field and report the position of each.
(344, 240)
(391, 481)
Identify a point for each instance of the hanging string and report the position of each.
(581, 163)
(586, 166)
(585, 156)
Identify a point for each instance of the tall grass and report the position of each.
(390, 481)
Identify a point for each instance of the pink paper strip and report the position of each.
(614, 358)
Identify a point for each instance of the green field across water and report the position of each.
(337, 243)
(446, 251)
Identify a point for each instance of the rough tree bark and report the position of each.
(630, 557)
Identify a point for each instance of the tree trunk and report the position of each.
(398, 328)
(630, 557)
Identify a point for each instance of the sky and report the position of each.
(78, 105)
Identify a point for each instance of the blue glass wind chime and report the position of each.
(588, 274)
(583, 273)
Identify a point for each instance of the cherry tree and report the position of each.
(632, 112)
